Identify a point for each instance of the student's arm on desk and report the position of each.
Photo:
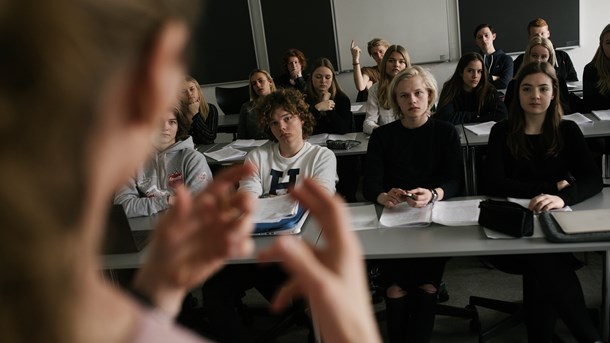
(331, 278)
(136, 205)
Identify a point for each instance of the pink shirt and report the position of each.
(153, 327)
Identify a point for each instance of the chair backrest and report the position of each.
(230, 99)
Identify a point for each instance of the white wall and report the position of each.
(593, 18)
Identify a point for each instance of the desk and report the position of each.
(438, 240)
(598, 128)
(357, 150)
(309, 233)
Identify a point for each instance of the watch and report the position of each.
(434, 195)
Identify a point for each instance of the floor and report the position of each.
(464, 276)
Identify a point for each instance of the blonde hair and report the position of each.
(65, 53)
(384, 79)
(410, 72)
(253, 95)
(204, 108)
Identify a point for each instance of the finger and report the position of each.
(329, 211)
(352, 44)
(173, 221)
(300, 261)
(285, 296)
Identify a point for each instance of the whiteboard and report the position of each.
(420, 26)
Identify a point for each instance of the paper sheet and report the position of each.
(225, 153)
(274, 209)
(363, 217)
(480, 129)
(602, 114)
(578, 118)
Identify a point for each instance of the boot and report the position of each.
(423, 307)
(397, 319)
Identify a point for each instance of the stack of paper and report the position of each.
(323, 137)
(226, 153)
(274, 209)
(481, 129)
(245, 143)
(602, 114)
(578, 118)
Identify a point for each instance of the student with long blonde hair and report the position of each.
(204, 116)
(378, 109)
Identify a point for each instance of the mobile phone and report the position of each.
(409, 195)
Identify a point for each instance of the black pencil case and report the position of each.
(506, 217)
(341, 144)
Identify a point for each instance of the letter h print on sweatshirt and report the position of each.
(279, 188)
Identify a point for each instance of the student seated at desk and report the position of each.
(261, 84)
(365, 77)
(563, 64)
(279, 166)
(416, 160)
(175, 163)
(537, 155)
(378, 109)
(330, 107)
(468, 96)
(498, 64)
(541, 49)
(204, 116)
(294, 64)
(596, 75)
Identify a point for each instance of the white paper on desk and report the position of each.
(578, 118)
(602, 114)
(403, 215)
(480, 129)
(322, 137)
(357, 108)
(274, 209)
(225, 153)
(538, 233)
(363, 217)
(456, 213)
(248, 142)
(344, 137)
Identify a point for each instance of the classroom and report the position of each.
(392, 250)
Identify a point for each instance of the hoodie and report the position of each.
(501, 65)
(148, 192)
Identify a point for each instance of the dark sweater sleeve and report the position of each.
(373, 179)
(452, 178)
(204, 132)
(506, 72)
(567, 66)
(586, 179)
(494, 108)
(341, 118)
(242, 124)
(449, 114)
(594, 100)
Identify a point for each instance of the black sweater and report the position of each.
(428, 156)
(519, 178)
(339, 120)
(204, 131)
(463, 109)
(594, 100)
